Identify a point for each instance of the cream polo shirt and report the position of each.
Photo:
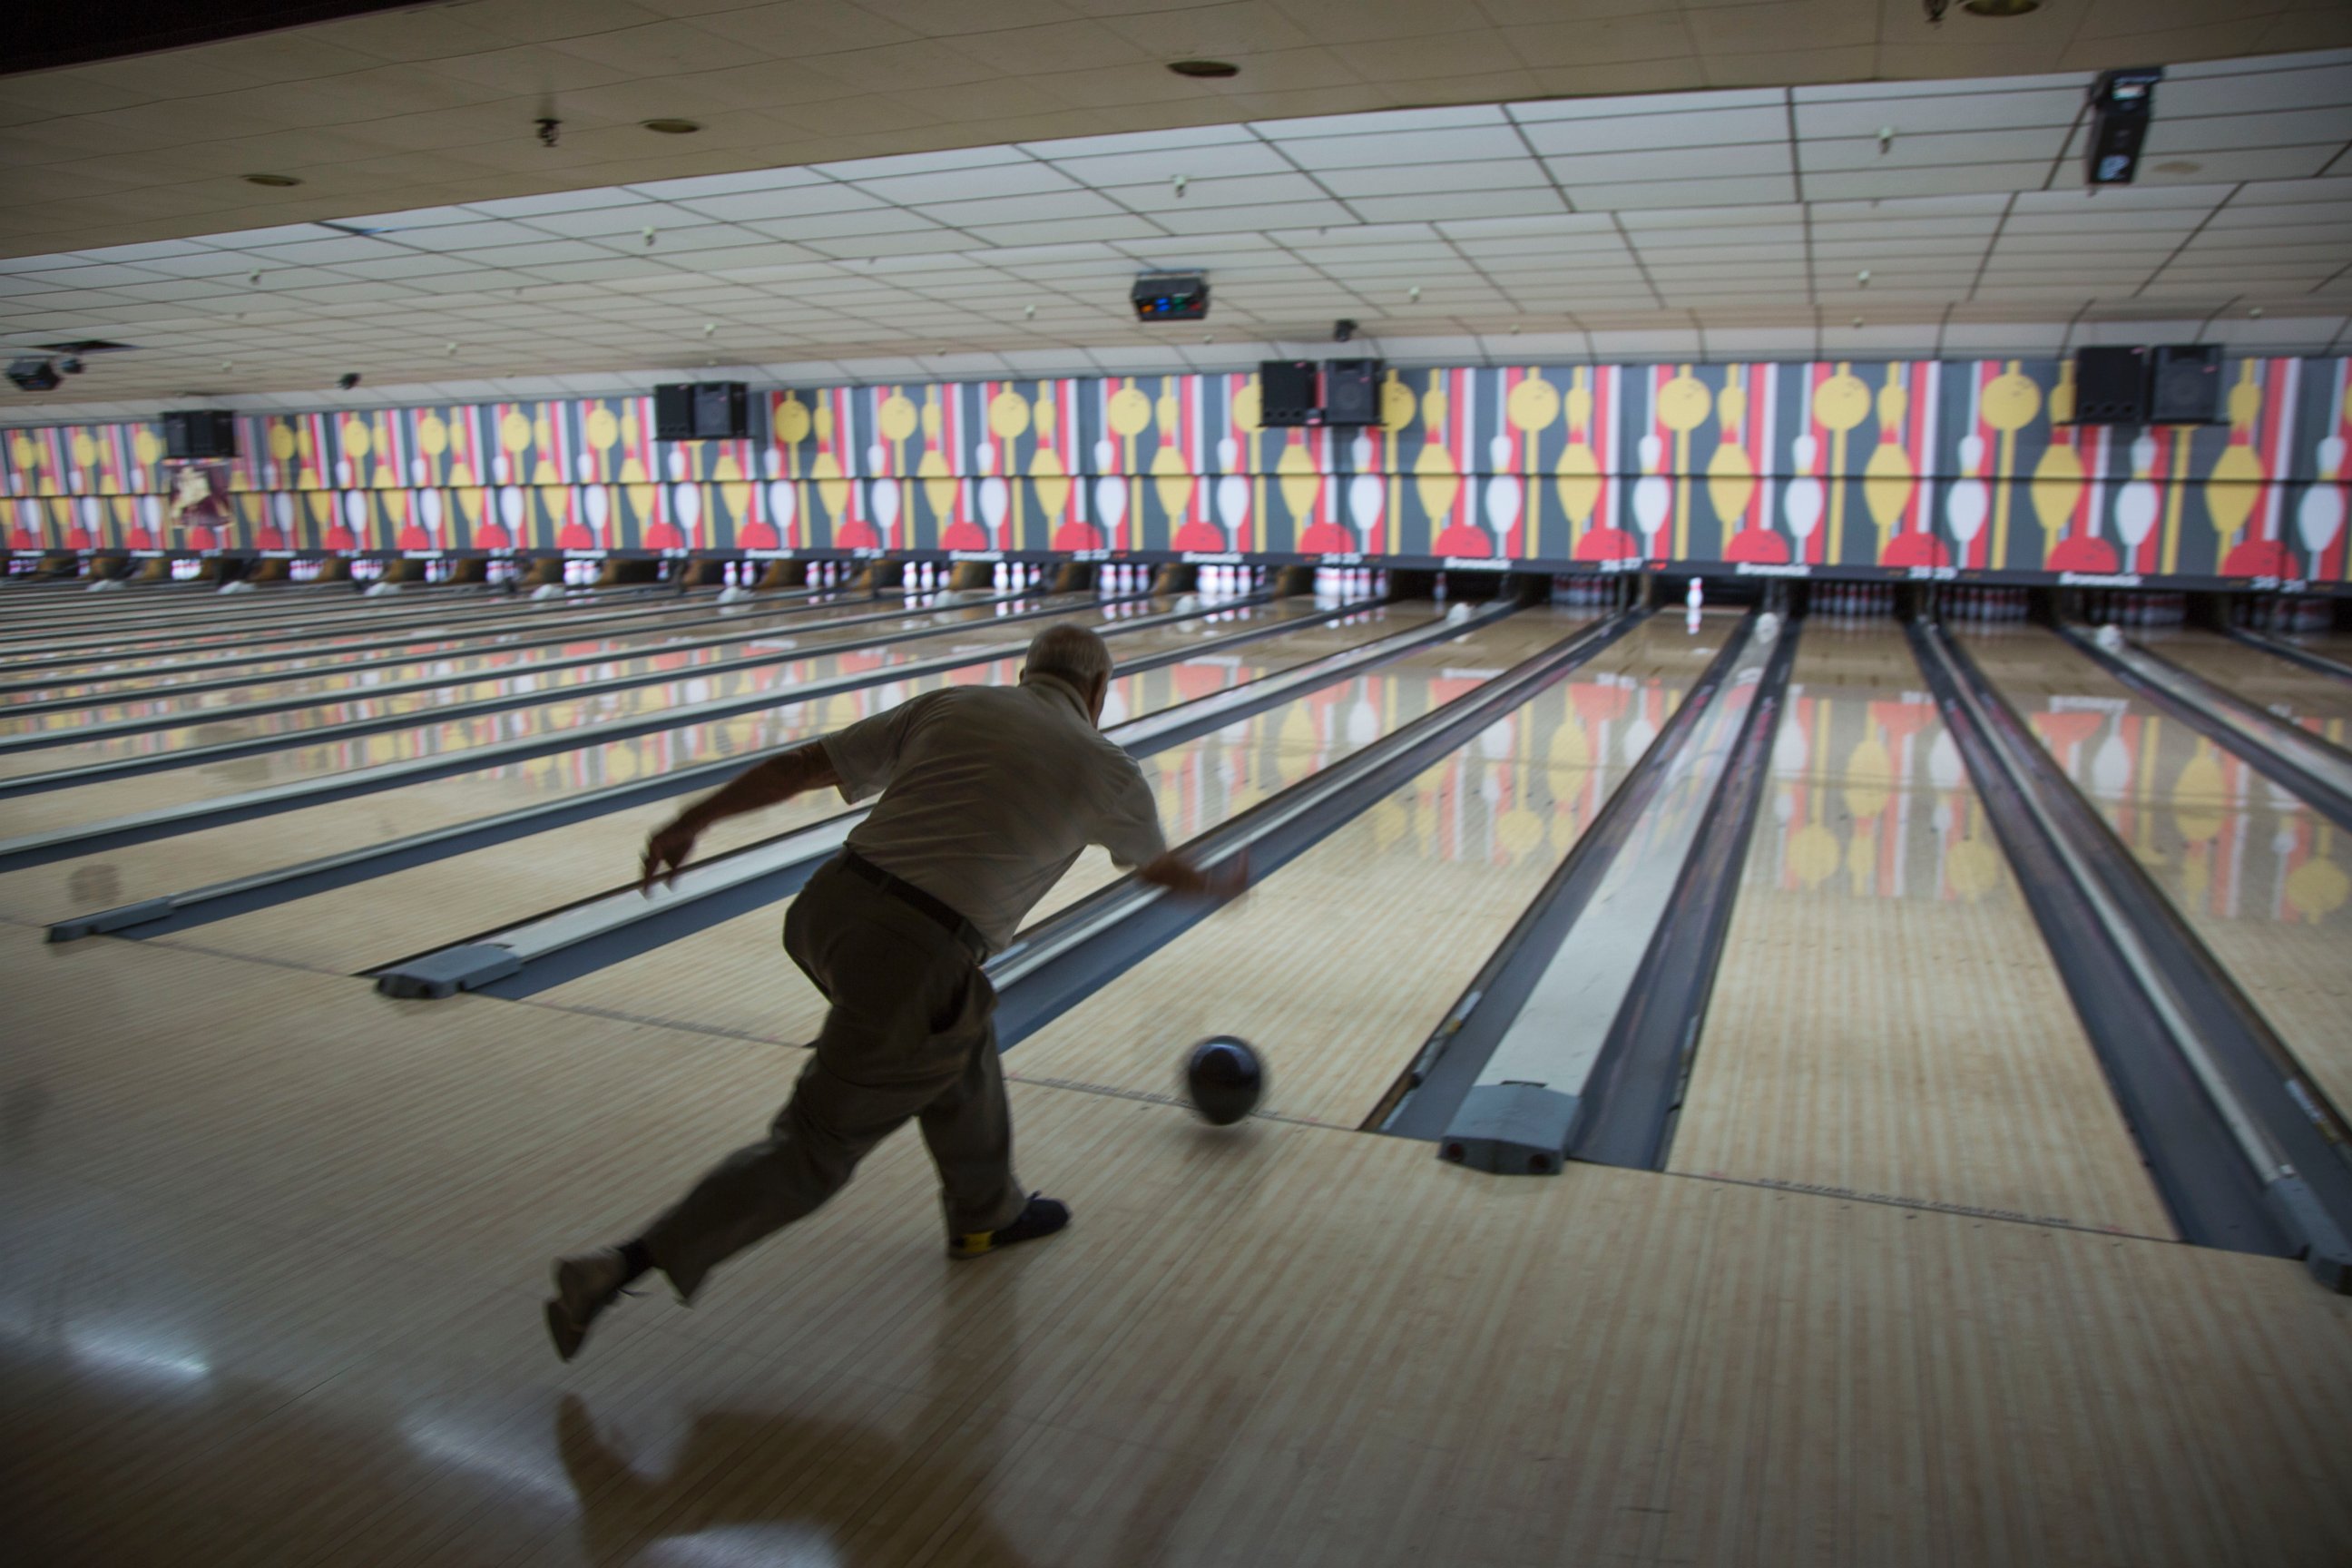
(989, 793)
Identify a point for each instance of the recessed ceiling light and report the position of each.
(273, 180)
(2178, 166)
(1999, 7)
(1213, 68)
(674, 127)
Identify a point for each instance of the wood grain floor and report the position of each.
(1886, 1018)
(1244, 971)
(387, 918)
(275, 1247)
(2264, 881)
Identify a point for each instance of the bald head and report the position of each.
(1075, 654)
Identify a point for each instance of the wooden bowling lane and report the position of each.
(480, 671)
(183, 862)
(577, 709)
(2260, 878)
(355, 704)
(123, 662)
(1885, 1019)
(2318, 702)
(276, 1249)
(1341, 962)
(124, 676)
(222, 622)
(395, 916)
(732, 977)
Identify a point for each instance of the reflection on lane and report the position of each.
(471, 677)
(2259, 877)
(2318, 702)
(554, 713)
(1887, 1019)
(140, 690)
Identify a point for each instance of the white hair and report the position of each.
(1072, 652)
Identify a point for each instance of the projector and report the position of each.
(34, 375)
(1170, 297)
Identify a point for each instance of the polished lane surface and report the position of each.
(1341, 962)
(2259, 877)
(1885, 1019)
(189, 860)
(392, 917)
(2309, 699)
(339, 696)
(936, 633)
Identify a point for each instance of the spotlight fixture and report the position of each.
(673, 127)
(1205, 69)
(348, 379)
(32, 374)
(2121, 104)
(1343, 330)
(548, 125)
(274, 182)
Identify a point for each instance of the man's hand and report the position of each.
(1177, 874)
(665, 851)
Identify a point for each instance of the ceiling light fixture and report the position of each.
(1205, 69)
(274, 182)
(673, 127)
(1998, 9)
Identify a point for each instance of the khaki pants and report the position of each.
(909, 1036)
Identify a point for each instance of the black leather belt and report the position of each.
(915, 898)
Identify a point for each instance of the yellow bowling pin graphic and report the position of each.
(1683, 404)
(1437, 479)
(1731, 474)
(2011, 402)
(1840, 404)
(1888, 478)
(2057, 486)
(1048, 474)
(1578, 472)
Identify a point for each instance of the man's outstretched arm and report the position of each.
(796, 771)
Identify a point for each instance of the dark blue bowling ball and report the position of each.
(1224, 1078)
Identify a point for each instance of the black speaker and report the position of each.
(1351, 392)
(673, 411)
(721, 411)
(2111, 387)
(1286, 393)
(701, 411)
(2184, 385)
(192, 433)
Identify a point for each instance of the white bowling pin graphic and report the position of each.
(343, 472)
(1801, 502)
(1233, 493)
(2111, 765)
(597, 507)
(420, 472)
(995, 500)
(1502, 496)
(1366, 496)
(1965, 505)
(782, 506)
(677, 464)
(2135, 503)
(500, 468)
(510, 513)
(355, 514)
(150, 513)
(428, 515)
(687, 506)
(2321, 513)
(1652, 496)
(884, 497)
(1110, 491)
